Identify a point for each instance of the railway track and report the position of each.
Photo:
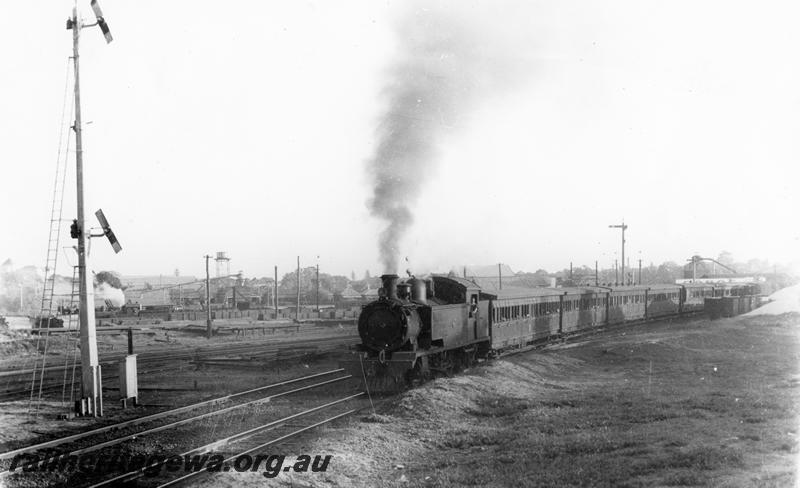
(179, 432)
(17, 383)
(224, 425)
(249, 443)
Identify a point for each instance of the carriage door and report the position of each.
(473, 313)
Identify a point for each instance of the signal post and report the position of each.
(91, 401)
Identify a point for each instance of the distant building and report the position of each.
(154, 281)
(489, 277)
(160, 290)
(347, 296)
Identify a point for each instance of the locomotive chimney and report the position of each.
(418, 293)
(390, 285)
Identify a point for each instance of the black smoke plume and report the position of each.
(443, 64)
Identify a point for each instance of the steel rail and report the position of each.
(262, 446)
(119, 440)
(156, 356)
(155, 416)
(220, 442)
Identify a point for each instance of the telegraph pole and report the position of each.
(640, 272)
(276, 292)
(91, 387)
(297, 310)
(500, 274)
(623, 227)
(208, 299)
(317, 284)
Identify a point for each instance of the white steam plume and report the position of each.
(108, 292)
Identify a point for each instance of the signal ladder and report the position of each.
(46, 317)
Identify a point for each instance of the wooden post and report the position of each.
(297, 310)
(276, 292)
(208, 300)
(640, 272)
(500, 274)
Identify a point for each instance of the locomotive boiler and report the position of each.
(394, 321)
(418, 326)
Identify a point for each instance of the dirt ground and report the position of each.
(687, 403)
(162, 386)
(17, 351)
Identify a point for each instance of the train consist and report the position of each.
(444, 323)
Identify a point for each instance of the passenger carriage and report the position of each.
(693, 296)
(663, 300)
(519, 317)
(626, 303)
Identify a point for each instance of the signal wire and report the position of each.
(366, 385)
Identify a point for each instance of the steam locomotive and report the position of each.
(444, 323)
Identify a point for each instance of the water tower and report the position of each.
(223, 263)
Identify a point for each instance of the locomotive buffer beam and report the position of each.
(388, 375)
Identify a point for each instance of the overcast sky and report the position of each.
(246, 127)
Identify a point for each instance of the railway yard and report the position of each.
(582, 226)
(679, 402)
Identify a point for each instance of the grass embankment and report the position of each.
(681, 404)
